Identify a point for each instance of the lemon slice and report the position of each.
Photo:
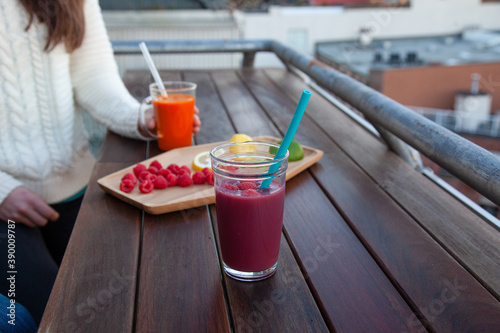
(239, 138)
(201, 161)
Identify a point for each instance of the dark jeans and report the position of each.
(18, 319)
(38, 254)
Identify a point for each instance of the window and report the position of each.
(298, 39)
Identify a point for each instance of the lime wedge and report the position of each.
(296, 151)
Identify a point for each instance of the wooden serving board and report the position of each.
(178, 198)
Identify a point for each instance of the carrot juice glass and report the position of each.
(173, 113)
(249, 214)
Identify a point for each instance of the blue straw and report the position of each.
(290, 132)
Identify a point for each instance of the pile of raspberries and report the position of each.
(157, 177)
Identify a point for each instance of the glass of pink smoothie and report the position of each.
(249, 216)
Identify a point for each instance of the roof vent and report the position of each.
(411, 58)
(378, 58)
(473, 107)
(395, 59)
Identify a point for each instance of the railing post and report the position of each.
(398, 146)
(248, 59)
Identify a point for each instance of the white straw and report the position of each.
(152, 68)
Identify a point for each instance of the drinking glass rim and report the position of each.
(242, 163)
(181, 86)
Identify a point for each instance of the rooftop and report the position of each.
(475, 46)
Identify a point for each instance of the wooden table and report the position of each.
(368, 244)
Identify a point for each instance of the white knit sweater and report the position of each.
(43, 143)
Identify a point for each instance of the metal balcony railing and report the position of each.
(475, 166)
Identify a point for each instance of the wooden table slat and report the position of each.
(343, 274)
(178, 247)
(216, 125)
(96, 291)
(110, 151)
(246, 115)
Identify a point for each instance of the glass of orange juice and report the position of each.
(173, 113)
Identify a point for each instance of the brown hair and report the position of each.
(64, 19)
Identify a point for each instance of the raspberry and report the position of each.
(164, 172)
(151, 177)
(160, 182)
(172, 180)
(250, 193)
(174, 168)
(127, 185)
(138, 169)
(183, 171)
(188, 170)
(143, 175)
(130, 176)
(246, 185)
(206, 170)
(230, 187)
(153, 170)
(156, 164)
(198, 178)
(231, 168)
(146, 186)
(184, 180)
(209, 178)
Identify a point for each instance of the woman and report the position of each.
(55, 58)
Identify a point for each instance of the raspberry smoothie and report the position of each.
(249, 224)
(249, 197)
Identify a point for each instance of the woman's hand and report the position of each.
(150, 123)
(196, 121)
(25, 206)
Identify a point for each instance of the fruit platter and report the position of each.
(181, 178)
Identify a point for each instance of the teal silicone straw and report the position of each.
(290, 132)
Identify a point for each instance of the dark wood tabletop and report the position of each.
(368, 245)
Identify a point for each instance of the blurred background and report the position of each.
(440, 58)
